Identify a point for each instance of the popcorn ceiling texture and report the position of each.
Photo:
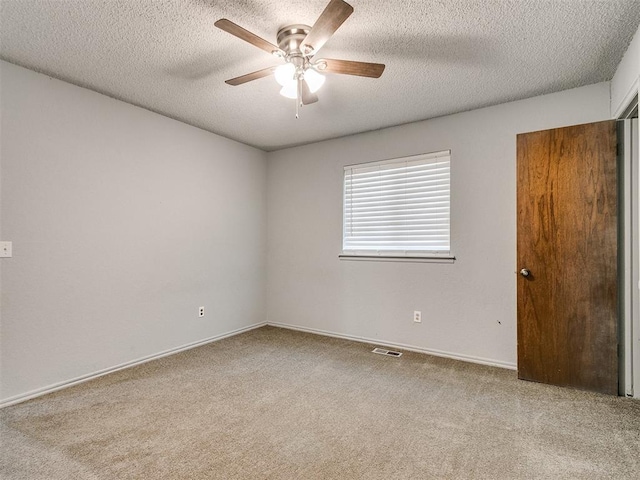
(442, 57)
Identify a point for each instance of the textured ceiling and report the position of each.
(442, 57)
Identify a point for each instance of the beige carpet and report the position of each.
(273, 403)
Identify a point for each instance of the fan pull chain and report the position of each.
(299, 99)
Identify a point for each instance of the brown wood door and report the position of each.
(567, 240)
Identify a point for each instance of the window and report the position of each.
(398, 208)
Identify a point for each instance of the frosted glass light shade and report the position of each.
(284, 74)
(314, 80)
(290, 90)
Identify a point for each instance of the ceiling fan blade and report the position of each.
(329, 21)
(308, 97)
(251, 76)
(348, 67)
(236, 30)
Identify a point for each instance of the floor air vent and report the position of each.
(390, 353)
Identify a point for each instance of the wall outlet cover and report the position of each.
(6, 249)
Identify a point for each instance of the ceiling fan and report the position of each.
(301, 75)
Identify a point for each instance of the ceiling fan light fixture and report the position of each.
(285, 74)
(290, 90)
(314, 79)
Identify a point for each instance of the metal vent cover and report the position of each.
(384, 351)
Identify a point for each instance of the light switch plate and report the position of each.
(5, 249)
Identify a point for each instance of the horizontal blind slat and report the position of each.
(419, 227)
(378, 177)
(410, 160)
(396, 170)
(413, 220)
(399, 213)
(397, 245)
(399, 208)
(419, 190)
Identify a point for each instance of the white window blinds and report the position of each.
(398, 207)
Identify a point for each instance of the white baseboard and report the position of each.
(402, 346)
(90, 376)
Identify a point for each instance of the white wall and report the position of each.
(469, 307)
(123, 223)
(625, 82)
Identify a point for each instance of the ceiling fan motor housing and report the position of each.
(290, 40)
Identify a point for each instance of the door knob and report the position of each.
(524, 272)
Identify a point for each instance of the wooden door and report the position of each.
(567, 242)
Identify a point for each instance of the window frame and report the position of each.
(396, 254)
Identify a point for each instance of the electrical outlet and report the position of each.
(5, 249)
(417, 316)
(201, 312)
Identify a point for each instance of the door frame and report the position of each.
(629, 261)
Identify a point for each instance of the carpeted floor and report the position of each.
(278, 404)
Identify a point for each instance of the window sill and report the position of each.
(398, 258)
